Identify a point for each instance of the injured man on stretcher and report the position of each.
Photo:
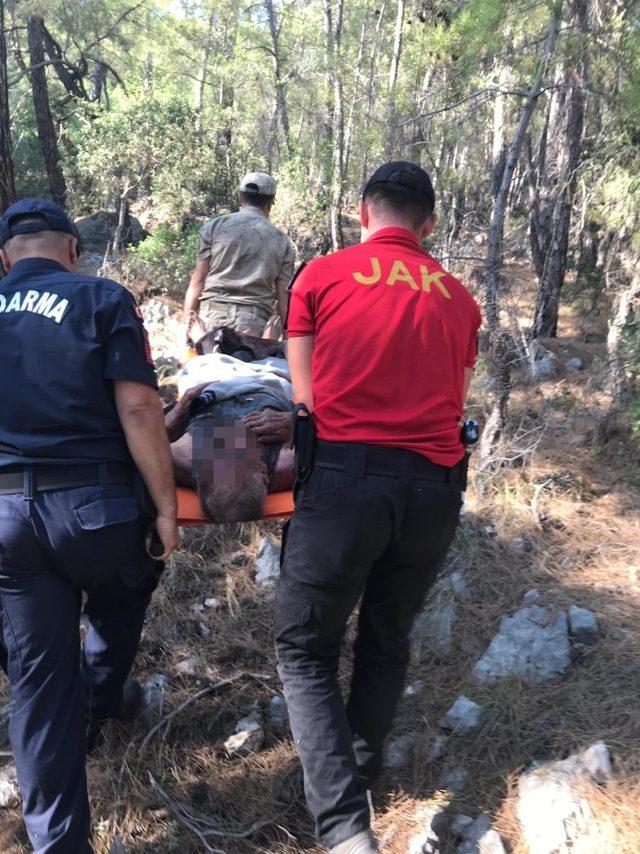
(229, 432)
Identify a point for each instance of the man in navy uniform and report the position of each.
(85, 470)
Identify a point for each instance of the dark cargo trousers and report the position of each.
(379, 529)
(52, 546)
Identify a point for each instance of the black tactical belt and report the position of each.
(45, 478)
(357, 460)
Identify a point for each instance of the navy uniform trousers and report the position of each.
(374, 523)
(53, 545)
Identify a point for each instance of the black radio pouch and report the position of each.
(303, 441)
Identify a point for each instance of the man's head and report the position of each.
(398, 194)
(228, 468)
(36, 228)
(257, 190)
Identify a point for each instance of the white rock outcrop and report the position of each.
(553, 807)
(267, 564)
(532, 644)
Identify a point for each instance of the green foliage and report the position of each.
(150, 148)
(165, 259)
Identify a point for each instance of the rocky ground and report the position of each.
(518, 730)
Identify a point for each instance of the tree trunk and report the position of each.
(99, 82)
(498, 151)
(202, 74)
(626, 311)
(558, 181)
(357, 85)
(496, 229)
(333, 24)
(44, 121)
(227, 91)
(276, 60)
(7, 181)
(390, 142)
(499, 351)
(371, 89)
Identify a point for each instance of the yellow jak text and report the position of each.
(399, 272)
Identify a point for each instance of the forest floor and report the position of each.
(571, 505)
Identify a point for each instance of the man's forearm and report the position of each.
(282, 302)
(148, 445)
(193, 294)
(300, 355)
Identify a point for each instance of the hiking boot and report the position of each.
(361, 843)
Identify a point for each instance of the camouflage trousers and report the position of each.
(245, 319)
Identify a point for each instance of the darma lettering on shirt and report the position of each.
(47, 304)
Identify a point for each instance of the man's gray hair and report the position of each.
(241, 503)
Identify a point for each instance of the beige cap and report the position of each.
(259, 183)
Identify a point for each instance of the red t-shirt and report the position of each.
(393, 334)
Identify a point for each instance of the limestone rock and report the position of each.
(96, 231)
(453, 779)
(189, 666)
(267, 564)
(532, 644)
(463, 717)
(437, 747)
(583, 625)
(90, 263)
(518, 546)
(477, 836)
(433, 628)
(278, 715)
(597, 760)
(157, 311)
(541, 363)
(459, 586)
(531, 597)
(553, 807)
(10, 796)
(247, 738)
(489, 843)
(414, 689)
(428, 840)
(575, 363)
(399, 751)
(154, 692)
(212, 602)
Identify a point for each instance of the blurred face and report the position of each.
(225, 452)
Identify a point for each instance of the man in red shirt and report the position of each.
(382, 343)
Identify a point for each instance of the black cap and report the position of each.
(47, 216)
(404, 174)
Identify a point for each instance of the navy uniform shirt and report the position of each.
(64, 339)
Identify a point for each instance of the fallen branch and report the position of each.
(208, 689)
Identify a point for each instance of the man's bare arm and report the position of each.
(140, 412)
(283, 300)
(196, 286)
(300, 353)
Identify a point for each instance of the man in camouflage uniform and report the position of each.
(244, 264)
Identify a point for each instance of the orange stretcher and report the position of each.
(278, 505)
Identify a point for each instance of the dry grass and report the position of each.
(576, 508)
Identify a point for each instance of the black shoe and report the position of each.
(132, 701)
(130, 709)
